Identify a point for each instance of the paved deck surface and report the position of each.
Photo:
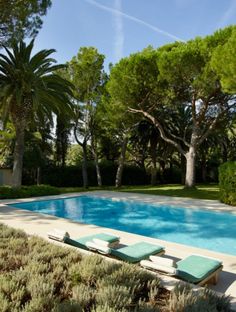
(40, 224)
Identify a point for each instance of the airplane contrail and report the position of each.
(119, 35)
(134, 19)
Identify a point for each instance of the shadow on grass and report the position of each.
(200, 192)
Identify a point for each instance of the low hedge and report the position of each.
(36, 276)
(27, 191)
(71, 176)
(227, 183)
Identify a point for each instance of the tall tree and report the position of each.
(63, 128)
(146, 136)
(178, 75)
(21, 18)
(29, 87)
(224, 62)
(130, 82)
(86, 72)
(118, 125)
(7, 136)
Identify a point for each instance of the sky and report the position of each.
(118, 28)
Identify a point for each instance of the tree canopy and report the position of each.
(224, 61)
(164, 111)
(21, 18)
(156, 84)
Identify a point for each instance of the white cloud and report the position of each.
(134, 19)
(119, 35)
(228, 14)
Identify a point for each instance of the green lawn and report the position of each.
(203, 191)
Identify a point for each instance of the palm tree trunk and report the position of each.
(18, 156)
(121, 163)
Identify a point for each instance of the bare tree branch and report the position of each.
(160, 128)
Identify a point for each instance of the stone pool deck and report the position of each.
(40, 224)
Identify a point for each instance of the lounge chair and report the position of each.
(132, 253)
(105, 243)
(194, 269)
(109, 241)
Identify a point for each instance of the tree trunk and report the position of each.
(190, 167)
(38, 176)
(153, 146)
(121, 163)
(204, 169)
(84, 166)
(183, 168)
(95, 156)
(18, 156)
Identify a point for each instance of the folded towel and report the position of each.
(97, 247)
(152, 265)
(59, 235)
(163, 261)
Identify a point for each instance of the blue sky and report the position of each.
(120, 27)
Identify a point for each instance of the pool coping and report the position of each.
(43, 223)
(184, 202)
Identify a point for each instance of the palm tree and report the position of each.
(29, 88)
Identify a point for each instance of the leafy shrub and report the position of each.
(68, 306)
(227, 183)
(27, 191)
(84, 295)
(185, 299)
(42, 190)
(115, 296)
(106, 308)
(36, 276)
(12, 192)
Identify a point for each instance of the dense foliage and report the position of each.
(33, 95)
(38, 276)
(227, 183)
(178, 91)
(21, 18)
(71, 176)
(161, 115)
(27, 191)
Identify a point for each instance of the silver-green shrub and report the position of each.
(36, 276)
(185, 299)
(115, 296)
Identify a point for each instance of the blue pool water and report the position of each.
(199, 228)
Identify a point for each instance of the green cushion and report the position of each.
(136, 252)
(81, 242)
(194, 269)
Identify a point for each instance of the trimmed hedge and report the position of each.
(227, 183)
(27, 191)
(72, 176)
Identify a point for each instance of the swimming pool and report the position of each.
(195, 227)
